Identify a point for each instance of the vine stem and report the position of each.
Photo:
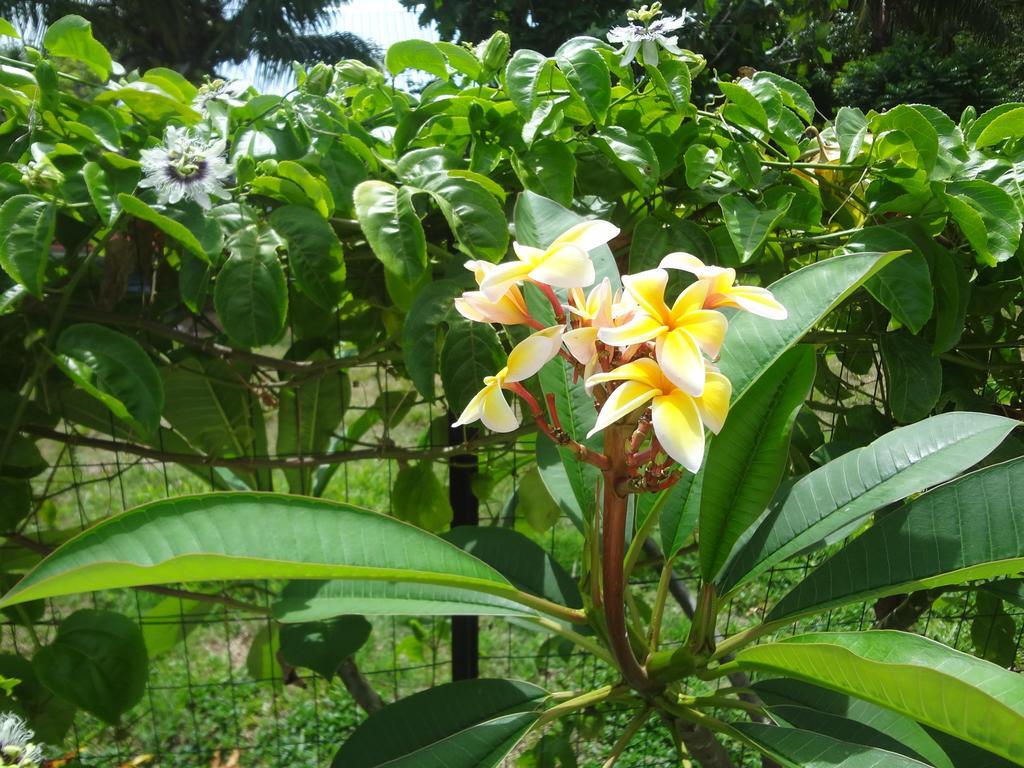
(622, 742)
(613, 522)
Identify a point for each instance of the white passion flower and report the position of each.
(186, 168)
(16, 747)
(644, 34)
(228, 92)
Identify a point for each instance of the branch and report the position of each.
(277, 462)
(359, 687)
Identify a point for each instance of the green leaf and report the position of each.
(251, 295)
(431, 307)
(15, 502)
(392, 228)
(466, 724)
(952, 291)
(632, 154)
(827, 501)
(807, 749)
(915, 126)
(749, 107)
(322, 646)
(97, 661)
(749, 226)
(263, 661)
(752, 343)
(170, 622)
(314, 254)
(587, 73)
(812, 708)
(460, 59)
(309, 414)
(1010, 590)
(680, 512)
(674, 79)
(904, 287)
(794, 95)
(913, 376)
(952, 691)
(700, 161)
(151, 102)
(966, 529)
(533, 502)
(548, 168)
(993, 631)
(520, 560)
(470, 352)
(521, 76)
(851, 129)
(988, 217)
(566, 481)
(222, 536)
(746, 460)
(7, 29)
(27, 226)
(418, 497)
(115, 370)
(475, 216)
(416, 54)
(135, 207)
(302, 601)
(105, 185)
(71, 37)
(1007, 125)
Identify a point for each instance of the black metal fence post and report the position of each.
(466, 511)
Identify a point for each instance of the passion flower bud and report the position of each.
(319, 79)
(493, 52)
(357, 73)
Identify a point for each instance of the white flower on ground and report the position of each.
(644, 34)
(186, 168)
(16, 747)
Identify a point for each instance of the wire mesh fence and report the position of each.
(218, 694)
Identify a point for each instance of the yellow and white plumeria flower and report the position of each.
(722, 292)
(595, 311)
(681, 332)
(678, 418)
(563, 264)
(509, 309)
(526, 358)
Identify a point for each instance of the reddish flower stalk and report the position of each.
(556, 433)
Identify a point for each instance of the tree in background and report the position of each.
(196, 36)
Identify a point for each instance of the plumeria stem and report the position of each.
(659, 604)
(556, 304)
(614, 535)
(556, 433)
(622, 742)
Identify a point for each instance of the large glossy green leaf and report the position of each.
(988, 217)
(520, 560)
(305, 600)
(323, 645)
(416, 54)
(680, 512)
(473, 213)
(971, 528)
(797, 748)
(746, 460)
(140, 210)
(813, 708)
(632, 154)
(430, 309)
(97, 661)
(217, 537)
(951, 691)
(115, 370)
(394, 231)
(828, 500)
(314, 253)
(587, 73)
(521, 76)
(566, 481)
(27, 225)
(251, 295)
(470, 352)
(752, 343)
(466, 724)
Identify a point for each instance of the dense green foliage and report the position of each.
(191, 275)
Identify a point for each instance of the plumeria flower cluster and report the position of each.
(645, 32)
(186, 167)
(16, 747)
(646, 360)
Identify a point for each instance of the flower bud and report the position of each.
(318, 79)
(357, 73)
(493, 52)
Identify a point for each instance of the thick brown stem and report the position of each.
(701, 744)
(359, 687)
(614, 538)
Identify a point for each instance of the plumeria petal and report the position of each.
(678, 427)
(680, 360)
(641, 328)
(586, 235)
(528, 253)
(757, 301)
(687, 262)
(530, 354)
(508, 310)
(582, 343)
(565, 266)
(707, 328)
(623, 400)
(495, 412)
(690, 300)
(648, 290)
(644, 370)
(498, 280)
(714, 403)
(473, 408)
